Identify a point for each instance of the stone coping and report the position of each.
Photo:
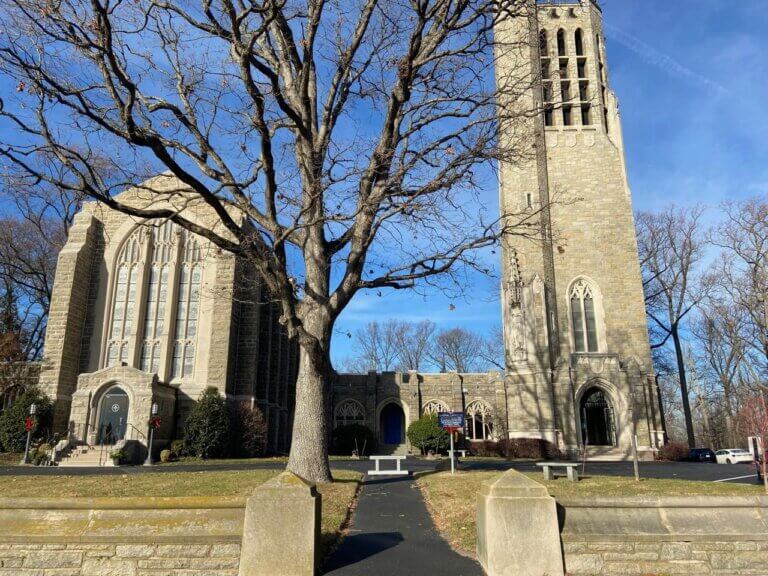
(622, 538)
(665, 502)
(121, 503)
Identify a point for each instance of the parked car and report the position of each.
(734, 456)
(702, 455)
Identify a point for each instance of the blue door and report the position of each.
(392, 422)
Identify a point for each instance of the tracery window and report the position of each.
(163, 249)
(187, 307)
(348, 412)
(479, 421)
(434, 407)
(124, 299)
(583, 317)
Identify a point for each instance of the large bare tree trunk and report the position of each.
(684, 387)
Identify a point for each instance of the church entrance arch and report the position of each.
(113, 416)
(392, 424)
(598, 426)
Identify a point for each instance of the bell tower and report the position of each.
(573, 304)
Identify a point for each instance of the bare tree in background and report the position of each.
(742, 273)
(457, 349)
(353, 137)
(376, 347)
(671, 247)
(413, 342)
(30, 241)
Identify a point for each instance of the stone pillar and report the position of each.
(282, 529)
(517, 528)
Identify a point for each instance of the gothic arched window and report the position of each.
(543, 44)
(187, 307)
(163, 252)
(579, 41)
(561, 42)
(434, 407)
(124, 299)
(348, 412)
(582, 300)
(479, 421)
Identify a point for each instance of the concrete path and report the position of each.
(392, 533)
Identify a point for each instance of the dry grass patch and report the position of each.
(10, 458)
(451, 499)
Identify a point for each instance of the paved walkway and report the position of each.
(392, 533)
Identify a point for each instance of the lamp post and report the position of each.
(29, 424)
(148, 461)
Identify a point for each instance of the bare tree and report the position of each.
(671, 247)
(413, 341)
(457, 349)
(341, 144)
(492, 351)
(376, 347)
(30, 241)
(742, 272)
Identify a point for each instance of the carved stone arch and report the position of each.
(599, 408)
(434, 407)
(586, 316)
(348, 411)
(479, 420)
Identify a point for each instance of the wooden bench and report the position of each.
(379, 472)
(550, 470)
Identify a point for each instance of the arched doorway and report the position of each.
(113, 416)
(392, 424)
(597, 419)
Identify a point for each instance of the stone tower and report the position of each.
(578, 359)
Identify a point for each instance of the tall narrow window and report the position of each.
(579, 41)
(163, 240)
(543, 44)
(187, 308)
(567, 115)
(124, 299)
(584, 317)
(561, 42)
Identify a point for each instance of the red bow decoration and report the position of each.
(29, 424)
(155, 422)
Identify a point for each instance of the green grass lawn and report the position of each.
(451, 499)
(337, 497)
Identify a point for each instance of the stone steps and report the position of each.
(87, 456)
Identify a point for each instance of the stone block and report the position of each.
(108, 567)
(517, 528)
(281, 534)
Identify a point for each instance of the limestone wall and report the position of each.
(120, 537)
(689, 535)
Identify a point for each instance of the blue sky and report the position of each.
(692, 81)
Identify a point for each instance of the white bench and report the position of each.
(462, 453)
(379, 472)
(550, 469)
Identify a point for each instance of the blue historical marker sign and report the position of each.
(450, 420)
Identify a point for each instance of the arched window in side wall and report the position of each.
(579, 42)
(187, 307)
(163, 253)
(348, 412)
(434, 407)
(584, 316)
(479, 421)
(124, 299)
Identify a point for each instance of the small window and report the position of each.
(567, 116)
(579, 41)
(561, 42)
(563, 67)
(582, 66)
(565, 91)
(543, 43)
(547, 91)
(586, 115)
(584, 91)
(546, 65)
(549, 116)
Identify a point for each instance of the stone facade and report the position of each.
(578, 361)
(147, 313)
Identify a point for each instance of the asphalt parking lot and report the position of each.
(738, 473)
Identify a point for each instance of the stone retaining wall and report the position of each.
(121, 537)
(686, 535)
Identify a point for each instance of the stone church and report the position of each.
(145, 313)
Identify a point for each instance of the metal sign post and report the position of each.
(451, 422)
